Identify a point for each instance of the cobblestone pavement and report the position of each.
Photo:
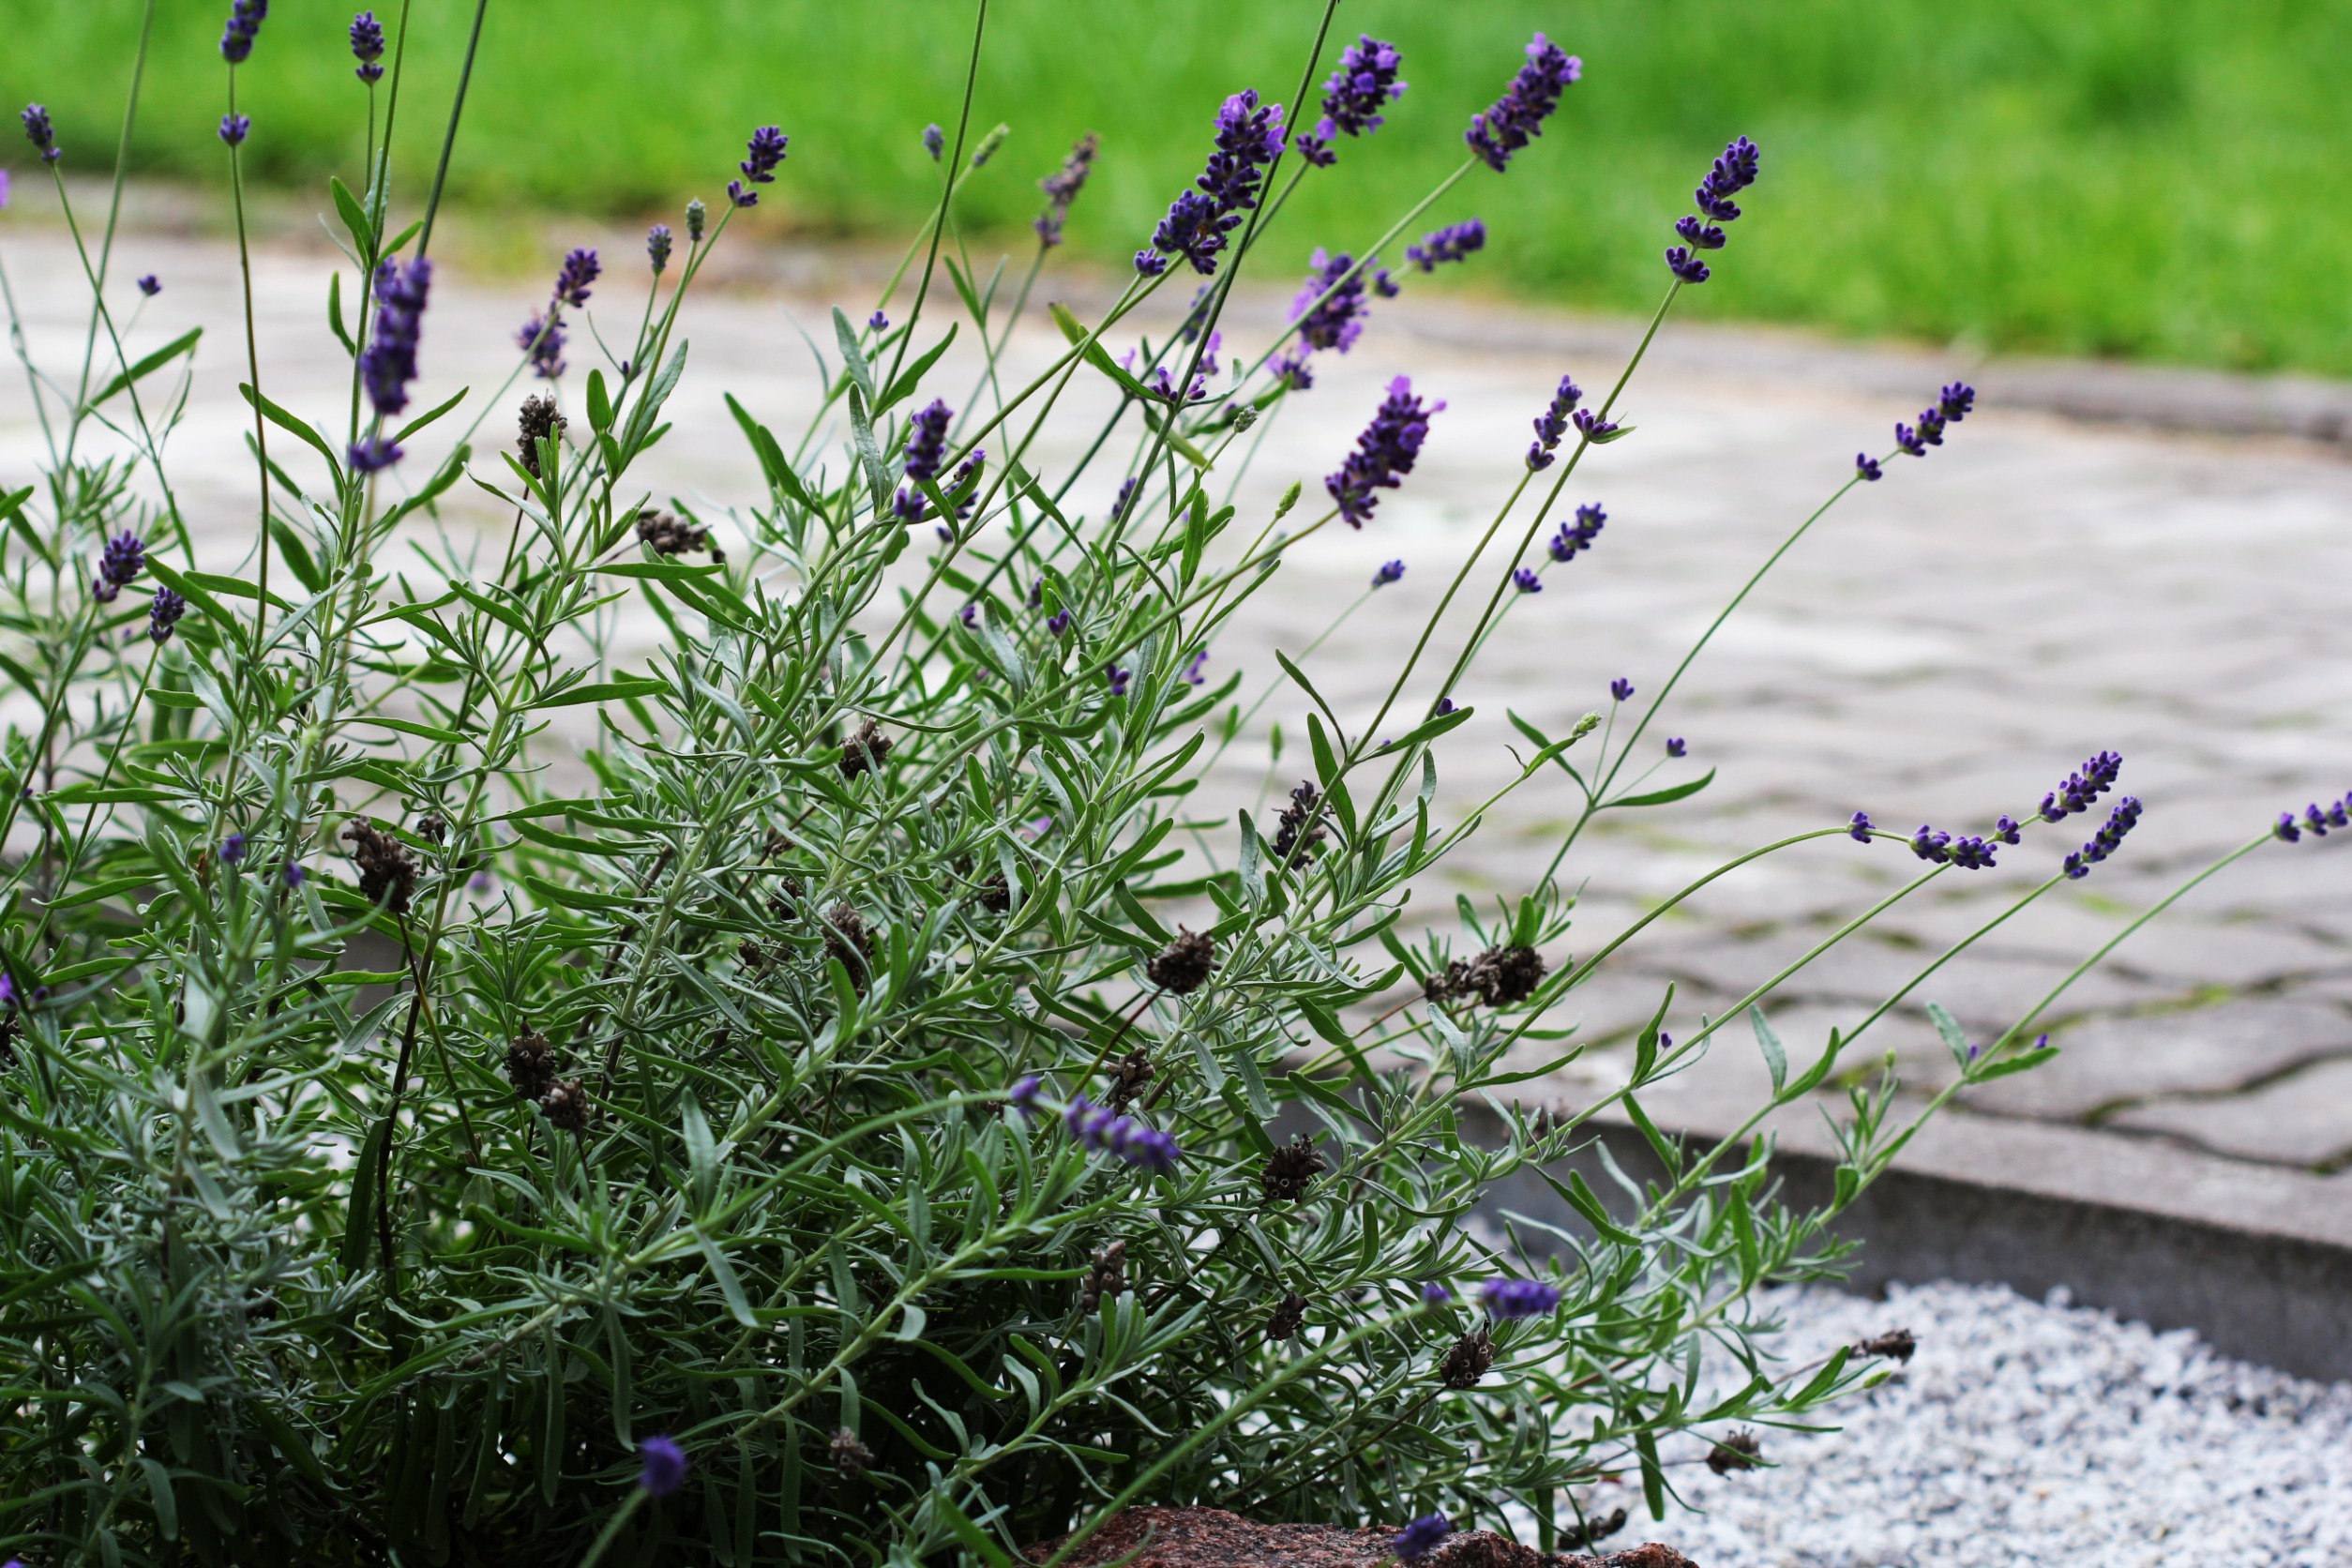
(1945, 646)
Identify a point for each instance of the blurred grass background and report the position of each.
(2166, 179)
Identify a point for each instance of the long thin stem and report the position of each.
(449, 138)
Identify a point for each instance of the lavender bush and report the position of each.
(868, 1112)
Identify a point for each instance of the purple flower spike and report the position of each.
(1248, 138)
(1957, 402)
(765, 151)
(542, 339)
(1392, 571)
(1699, 235)
(1928, 844)
(1335, 322)
(1192, 674)
(1592, 427)
(740, 194)
(1423, 1536)
(1860, 829)
(580, 268)
(150, 285)
(1622, 688)
(1526, 582)
(1315, 145)
(2286, 832)
(245, 25)
(1023, 1096)
(1062, 187)
(1099, 1128)
(1867, 466)
(1971, 853)
(1581, 535)
(2085, 785)
(934, 142)
(665, 1469)
(1452, 243)
(234, 129)
(367, 46)
(1365, 83)
(1384, 453)
(389, 362)
(927, 440)
(1118, 679)
(1678, 746)
(1689, 268)
(1507, 1299)
(1518, 116)
(1435, 1294)
(2123, 819)
(38, 132)
(232, 848)
(1058, 623)
(1150, 263)
(1733, 173)
(1445, 706)
(164, 613)
(2006, 829)
(1552, 423)
(657, 242)
(1908, 440)
(123, 559)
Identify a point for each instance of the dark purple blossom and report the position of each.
(764, 151)
(367, 46)
(1580, 535)
(878, 324)
(1699, 235)
(1450, 244)
(1149, 263)
(1928, 844)
(234, 129)
(580, 268)
(1733, 173)
(2082, 787)
(1971, 853)
(926, 440)
(38, 132)
(245, 25)
(389, 362)
(1100, 1128)
(2316, 820)
(1552, 423)
(1365, 83)
(934, 142)
(1329, 308)
(1518, 116)
(232, 848)
(1867, 466)
(1906, 440)
(1038, 594)
(1058, 623)
(1391, 572)
(1952, 404)
(665, 1466)
(1062, 187)
(1507, 1299)
(1117, 679)
(2121, 822)
(292, 873)
(1592, 427)
(1423, 1536)
(1288, 368)
(1248, 138)
(164, 613)
(658, 243)
(1126, 494)
(1861, 827)
(1445, 706)
(123, 559)
(1384, 453)
(542, 339)
(1526, 582)
(373, 454)
(1678, 746)
(1622, 688)
(1023, 1096)
(1957, 402)
(1689, 268)
(1316, 146)
(150, 285)
(2006, 829)
(741, 195)
(1191, 674)
(1435, 1294)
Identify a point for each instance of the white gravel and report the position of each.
(2027, 1435)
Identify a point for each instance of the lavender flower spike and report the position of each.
(1062, 187)
(1622, 688)
(1329, 308)
(150, 285)
(934, 142)
(657, 242)
(1507, 1299)
(1384, 453)
(1518, 116)
(235, 127)
(1861, 827)
(1392, 571)
(580, 268)
(123, 559)
(542, 339)
(764, 151)
(1420, 1538)
(1249, 137)
(367, 46)
(164, 613)
(245, 25)
(927, 449)
(1552, 423)
(2085, 785)
(389, 362)
(2122, 820)
(1526, 582)
(665, 1466)
(38, 132)
(1867, 467)
(1099, 1128)
(1450, 244)
(1365, 83)
(1581, 535)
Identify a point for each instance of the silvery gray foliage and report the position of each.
(808, 1131)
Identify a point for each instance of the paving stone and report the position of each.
(2120, 1061)
(2297, 1121)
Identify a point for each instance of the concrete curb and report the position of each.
(2257, 1260)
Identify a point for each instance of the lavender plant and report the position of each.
(466, 1097)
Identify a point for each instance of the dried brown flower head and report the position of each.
(1599, 1527)
(848, 941)
(531, 1064)
(566, 1107)
(1106, 1278)
(996, 893)
(1187, 964)
(1297, 835)
(540, 418)
(431, 829)
(775, 844)
(1895, 1345)
(1736, 1452)
(664, 535)
(1289, 1317)
(1498, 977)
(387, 873)
(1127, 1078)
(864, 751)
(1289, 1169)
(1468, 1360)
(850, 1457)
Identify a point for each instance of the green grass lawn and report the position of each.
(2169, 179)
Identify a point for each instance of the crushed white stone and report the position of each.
(2026, 1435)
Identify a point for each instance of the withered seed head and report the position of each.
(864, 751)
(566, 1107)
(387, 873)
(1289, 1317)
(664, 535)
(996, 895)
(1298, 835)
(431, 829)
(1736, 1452)
(1187, 964)
(1289, 1169)
(850, 1457)
(1599, 1527)
(1128, 1078)
(1467, 1362)
(1498, 977)
(1896, 1344)
(1106, 1278)
(848, 940)
(540, 418)
(531, 1064)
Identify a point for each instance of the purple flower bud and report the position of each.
(1191, 674)
(245, 24)
(1452, 243)
(1592, 427)
(373, 454)
(1391, 572)
(1423, 1536)
(2122, 819)
(2082, 787)
(934, 142)
(1384, 453)
(657, 242)
(1365, 83)
(389, 362)
(1518, 117)
(1678, 746)
(1445, 706)
(1580, 535)
(1552, 423)
(1316, 146)
(1700, 235)
(1971, 853)
(1150, 263)
(1928, 844)
(232, 848)
(2286, 830)
(878, 324)
(1867, 466)
(1249, 137)
(1329, 308)
(1435, 1294)
(164, 613)
(1957, 403)
(542, 339)
(292, 873)
(1622, 688)
(2006, 829)
(235, 127)
(123, 559)
(1526, 582)
(38, 132)
(1507, 1299)
(765, 150)
(150, 285)
(1118, 679)
(665, 1469)
(1058, 623)
(740, 194)
(366, 46)
(580, 268)
(1908, 440)
(1689, 268)
(1061, 188)
(968, 614)
(1860, 829)
(1023, 1096)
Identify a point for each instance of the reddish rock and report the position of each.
(1213, 1538)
